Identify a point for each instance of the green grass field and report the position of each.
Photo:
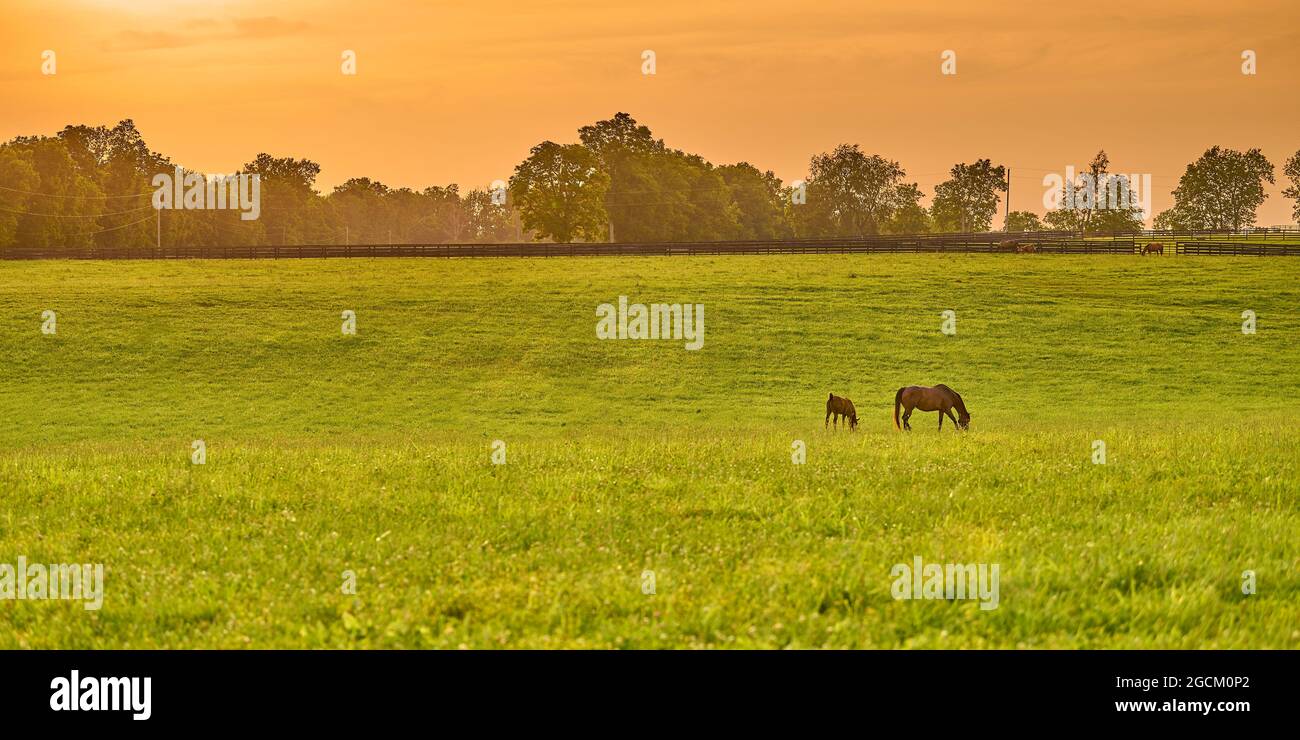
(371, 453)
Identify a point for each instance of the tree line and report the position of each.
(92, 186)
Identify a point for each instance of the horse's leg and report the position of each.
(954, 419)
(941, 421)
(907, 414)
(828, 420)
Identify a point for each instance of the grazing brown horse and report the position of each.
(940, 398)
(1153, 248)
(1027, 248)
(841, 407)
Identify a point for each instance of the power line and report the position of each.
(66, 215)
(121, 226)
(75, 197)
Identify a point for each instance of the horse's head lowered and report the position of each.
(963, 420)
(853, 422)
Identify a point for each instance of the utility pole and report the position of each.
(347, 236)
(1006, 218)
(158, 232)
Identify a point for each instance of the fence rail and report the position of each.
(1237, 248)
(1260, 242)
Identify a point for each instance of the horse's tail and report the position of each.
(898, 401)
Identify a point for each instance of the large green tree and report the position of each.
(661, 194)
(849, 193)
(1223, 189)
(968, 199)
(1097, 201)
(560, 192)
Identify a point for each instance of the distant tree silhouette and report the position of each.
(909, 216)
(1170, 220)
(1018, 221)
(760, 200)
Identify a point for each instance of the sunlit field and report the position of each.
(339, 463)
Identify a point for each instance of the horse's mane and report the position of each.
(961, 405)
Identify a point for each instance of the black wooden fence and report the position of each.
(1260, 242)
(1235, 248)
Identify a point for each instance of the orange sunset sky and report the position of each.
(459, 91)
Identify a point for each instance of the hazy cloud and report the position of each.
(131, 40)
(267, 27)
(205, 30)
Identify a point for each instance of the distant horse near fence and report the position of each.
(1153, 248)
